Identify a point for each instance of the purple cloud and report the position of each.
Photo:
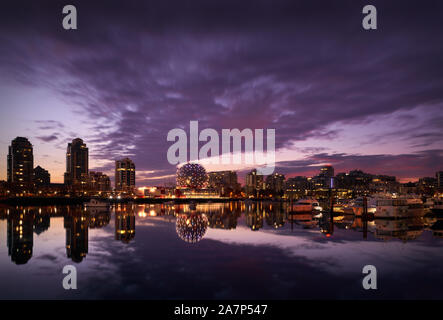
(48, 138)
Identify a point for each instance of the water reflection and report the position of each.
(20, 235)
(99, 218)
(191, 227)
(404, 229)
(124, 223)
(76, 224)
(193, 223)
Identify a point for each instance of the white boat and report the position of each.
(96, 203)
(356, 206)
(306, 205)
(399, 207)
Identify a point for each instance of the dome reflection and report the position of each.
(191, 227)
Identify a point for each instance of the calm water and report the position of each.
(215, 251)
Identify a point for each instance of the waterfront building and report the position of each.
(41, 176)
(99, 182)
(297, 187)
(157, 192)
(327, 171)
(275, 184)
(77, 165)
(325, 178)
(409, 188)
(254, 183)
(356, 180)
(124, 175)
(52, 190)
(427, 185)
(384, 183)
(191, 193)
(225, 182)
(20, 162)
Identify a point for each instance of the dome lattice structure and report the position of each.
(192, 175)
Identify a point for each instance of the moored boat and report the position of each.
(306, 205)
(399, 207)
(97, 203)
(356, 206)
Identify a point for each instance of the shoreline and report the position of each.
(81, 200)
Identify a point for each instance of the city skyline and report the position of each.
(334, 93)
(125, 171)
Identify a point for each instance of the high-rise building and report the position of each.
(224, 182)
(325, 179)
(275, 183)
(99, 182)
(298, 183)
(297, 187)
(20, 162)
(327, 171)
(41, 176)
(254, 183)
(124, 175)
(76, 163)
(439, 176)
(427, 185)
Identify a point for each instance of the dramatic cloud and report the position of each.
(48, 138)
(133, 71)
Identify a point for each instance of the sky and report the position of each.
(334, 93)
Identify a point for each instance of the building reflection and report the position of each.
(99, 218)
(124, 224)
(275, 216)
(225, 217)
(42, 221)
(326, 224)
(76, 224)
(191, 227)
(192, 223)
(254, 213)
(20, 235)
(402, 229)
